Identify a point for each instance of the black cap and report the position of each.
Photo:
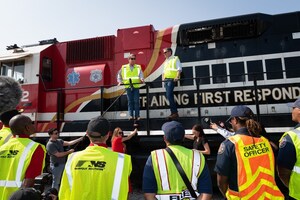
(241, 111)
(174, 131)
(99, 125)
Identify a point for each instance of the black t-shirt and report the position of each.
(199, 143)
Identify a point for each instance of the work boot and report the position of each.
(173, 116)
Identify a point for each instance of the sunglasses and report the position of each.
(132, 58)
(166, 52)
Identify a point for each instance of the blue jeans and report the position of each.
(56, 174)
(133, 96)
(169, 85)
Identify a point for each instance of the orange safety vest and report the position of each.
(255, 169)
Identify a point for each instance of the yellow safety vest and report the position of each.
(96, 173)
(133, 75)
(255, 169)
(294, 187)
(5, 135)
(170, 68)
(169, 182)
(15, 157)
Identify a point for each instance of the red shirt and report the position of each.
(117, 145)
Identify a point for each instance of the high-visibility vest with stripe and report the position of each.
(15, 157)
(255, 169)
(5, 135)
(133, 75)
(170, 68)
(96, 173)
(294, 186)
(169, 181)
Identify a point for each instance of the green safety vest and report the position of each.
(170, 69)
(169, 182)
(133, 75)
(5, 135)
(15, 157)
(96, 173)
(294, 188)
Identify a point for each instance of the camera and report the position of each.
(207, 120)
(49, 194)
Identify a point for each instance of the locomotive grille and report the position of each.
(90, 50)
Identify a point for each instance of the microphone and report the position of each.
(10, 93)
(130, 83)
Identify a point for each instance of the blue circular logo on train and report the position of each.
(96, 75)
(73, 78)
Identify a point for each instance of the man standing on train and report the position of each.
(170, 76)
(288, 159)
(131, 75)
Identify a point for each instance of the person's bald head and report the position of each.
(21, 124)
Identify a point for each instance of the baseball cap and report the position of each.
(241, 111)
(26, 194)
(6, 116)
(295, 104)
(99, 125)
(174, 131)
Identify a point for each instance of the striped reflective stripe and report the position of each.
(296, 169)
(162, 168)
(297, 131)
(118, 177)
(10, 183)
(7, 138)
(117, 180)
(133, 77)
(167, 197)
(18, 182)
(68, 169)
(196, 167)
(22, 161)
(173, 196)
(172, 69)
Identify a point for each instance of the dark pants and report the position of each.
(169, 85)
(133, 96)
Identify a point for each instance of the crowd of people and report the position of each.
(245, 164)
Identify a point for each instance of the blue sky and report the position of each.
(26, 22)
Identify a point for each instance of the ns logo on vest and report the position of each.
(90, 165)
(8, 153)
